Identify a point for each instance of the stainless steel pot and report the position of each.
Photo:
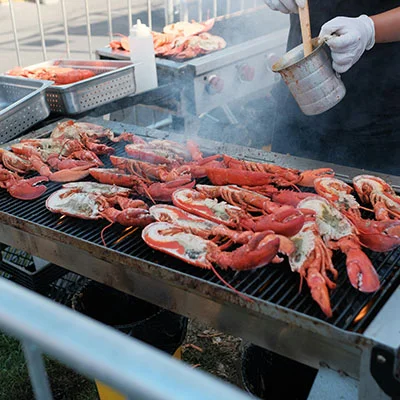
(311, 80)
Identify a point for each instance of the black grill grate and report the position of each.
(275, 283)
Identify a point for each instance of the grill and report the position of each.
(289, 320)
(252, 37)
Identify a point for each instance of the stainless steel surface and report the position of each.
(22, 105)
(295, 335)
(227, 65)
(113, 80)
(311, 80)
(331, 385)
(380, 332)
(98, 351)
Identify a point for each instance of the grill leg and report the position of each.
(330, 385)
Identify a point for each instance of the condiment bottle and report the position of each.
(142, 55)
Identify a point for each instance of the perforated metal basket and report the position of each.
(113, 80)
(22, 105)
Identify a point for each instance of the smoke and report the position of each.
(249, 116)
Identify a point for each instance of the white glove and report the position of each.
(285, 6)
(351, 37)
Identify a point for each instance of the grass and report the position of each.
(14, 378)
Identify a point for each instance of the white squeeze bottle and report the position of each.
(142, 55)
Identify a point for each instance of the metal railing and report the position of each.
(99, 352)
(173, 11)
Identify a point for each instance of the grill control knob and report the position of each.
(214, 85)
(246, 73)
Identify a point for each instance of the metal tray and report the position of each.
(114, 80)
(22, 105)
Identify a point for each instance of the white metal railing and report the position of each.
(133, 368)
(174, 10)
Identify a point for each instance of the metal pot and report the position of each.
(312, 81)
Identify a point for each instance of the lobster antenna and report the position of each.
(102, 233)
(243, 296)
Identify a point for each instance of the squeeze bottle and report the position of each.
(142, 55)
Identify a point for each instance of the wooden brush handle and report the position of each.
(304, 14)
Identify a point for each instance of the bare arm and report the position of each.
(387, 26)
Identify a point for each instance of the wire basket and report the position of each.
(22, 105)
(30, 272)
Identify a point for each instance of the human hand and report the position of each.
(348, 38)
(285, 6)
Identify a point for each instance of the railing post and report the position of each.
(37, 371)
(149, 15)
(65, 23)
(129, 15)
(88, 29)
(39, 13)
(200, 10)
(183, 11)
(110, 27)
(14, 26)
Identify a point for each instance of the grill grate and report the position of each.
(274, 283)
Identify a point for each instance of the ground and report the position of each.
(213, 351)
(204, 348)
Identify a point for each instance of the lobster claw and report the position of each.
(285, 221)
(319, 291)
(361, 273)
(255, 254)
(26, 189)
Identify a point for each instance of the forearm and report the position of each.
(387, 26)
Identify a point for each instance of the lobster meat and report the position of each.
(71, 167)
(157, 191)
(86, 134)
(312, 259)
(380, 194)
(147, 170)
(284, 220)
(201, 205)
(378, 236)
(91, 205)
(339, 233)
(210, 230)
(193, 249)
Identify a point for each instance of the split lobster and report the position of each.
(340, 234)
(378, 236)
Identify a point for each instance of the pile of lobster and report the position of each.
(181, 41)
(251, 215)
(59, 75)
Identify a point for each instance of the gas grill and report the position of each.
(360, 340)
(240, 71)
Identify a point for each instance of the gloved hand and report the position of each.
(285, 6)
(351, 37)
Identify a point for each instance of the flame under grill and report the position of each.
(275, 283)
